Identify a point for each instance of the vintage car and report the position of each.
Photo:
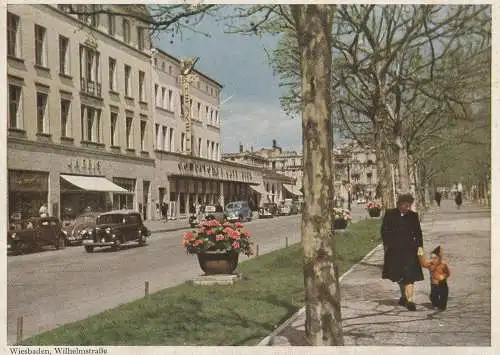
(238, 211)
(76, 230)
(268, 210)
(116, 228)
(34, 233)
(288, 207)
(207, 212)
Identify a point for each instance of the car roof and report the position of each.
(119, 212)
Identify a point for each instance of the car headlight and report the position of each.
(108, 230)
(14, 236)
(113, 236)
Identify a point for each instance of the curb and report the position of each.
(169, 230)
(267, 340)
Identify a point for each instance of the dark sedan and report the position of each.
(76, 230)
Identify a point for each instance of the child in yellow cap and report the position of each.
(440, 272)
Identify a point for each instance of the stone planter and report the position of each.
(340, 224)
(216, 262)
(374, 212)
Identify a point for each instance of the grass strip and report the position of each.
(241, 314)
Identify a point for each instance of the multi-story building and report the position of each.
(83, 118)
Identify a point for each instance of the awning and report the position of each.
(294, 190)
(259, 189)
(93, 183)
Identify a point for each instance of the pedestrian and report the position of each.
(440, 272)
(164, 211)
(43, 211)
(458, 199)
(402, 236)
(437, 197)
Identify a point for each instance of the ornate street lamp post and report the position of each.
(187, 65)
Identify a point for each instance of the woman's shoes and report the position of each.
(411, 306)
(402, 301)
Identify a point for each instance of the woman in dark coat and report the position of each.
(458, 199)
(402, 236)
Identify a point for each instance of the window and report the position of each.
(13, 36)
(15, 107)
(41, 104)
(182, 106)
(141, 86)
(128, 90)
(143, 135)
(183, 142)
(200, 146)
(65, 118)
(64, 55)
(206, 114)
(158, 135)
(208, 149)
(112, 74)
(170, 103)
(198, 111)
(216, 121)
(211, 116)
(217, 151)
(128, 132)
(111, 24)
(163, 92)
(156, 94)
(89, 71)
(212, 150)
(163, 66)
(141, 40)
(171, 140)
(170, 70)
(126, 31)
(91, 124)
(114, 120)
(166, 138)
(40, 46)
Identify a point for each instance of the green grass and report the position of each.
(241, 314)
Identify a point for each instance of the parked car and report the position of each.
(268, 210)
(34, 233)
(207, 212)
(288, 207)
(238, 211)
(76, 230)
(116, 228)
(361, 201)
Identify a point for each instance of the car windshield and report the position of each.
(209, 209)
(233, 206)
(110, 219)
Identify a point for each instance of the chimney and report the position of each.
(241, 148)
(274, 143)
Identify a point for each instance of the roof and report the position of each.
(177, 60)
(119, 212)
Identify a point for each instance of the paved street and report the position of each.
(53, 288)
(370, 312)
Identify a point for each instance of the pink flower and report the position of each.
(235, 245)
(234, 235)
(209, 231)
(219, 237)
(228, 230)
(189, 236)
(238, 225)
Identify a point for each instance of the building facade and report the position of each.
(95, 121)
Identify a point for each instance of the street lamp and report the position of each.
(187, 65)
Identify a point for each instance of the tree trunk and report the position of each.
(384, 173)
(322, 293)
(404, 179)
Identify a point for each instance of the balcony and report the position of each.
(90, 87)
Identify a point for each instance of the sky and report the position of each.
(253, 116)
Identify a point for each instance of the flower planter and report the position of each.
(340, 224)
(217, 262)
(375, 212)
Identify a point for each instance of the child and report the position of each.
(440, 272)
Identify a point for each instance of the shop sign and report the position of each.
(213, 171)
(85, 166)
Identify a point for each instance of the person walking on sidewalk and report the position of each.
(402, 236)
(437, 197)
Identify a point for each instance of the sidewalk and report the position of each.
(160, 226)
(371, 315)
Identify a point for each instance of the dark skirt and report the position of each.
(402, 266)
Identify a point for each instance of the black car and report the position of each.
(116, 228)
(35, 233)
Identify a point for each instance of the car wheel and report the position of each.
(118, 245)
(89, 249)
(142, 240)
(60, 243)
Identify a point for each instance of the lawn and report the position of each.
(240, 314)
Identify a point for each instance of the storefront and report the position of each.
(28, 191)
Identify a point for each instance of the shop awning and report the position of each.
(259, 189)
(93, 183)
(294, 190)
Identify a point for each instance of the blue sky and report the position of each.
(253, 116)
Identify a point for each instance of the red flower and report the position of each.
(235, 245)
(189, 236)
(238, 225)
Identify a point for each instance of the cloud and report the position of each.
(255, 123)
